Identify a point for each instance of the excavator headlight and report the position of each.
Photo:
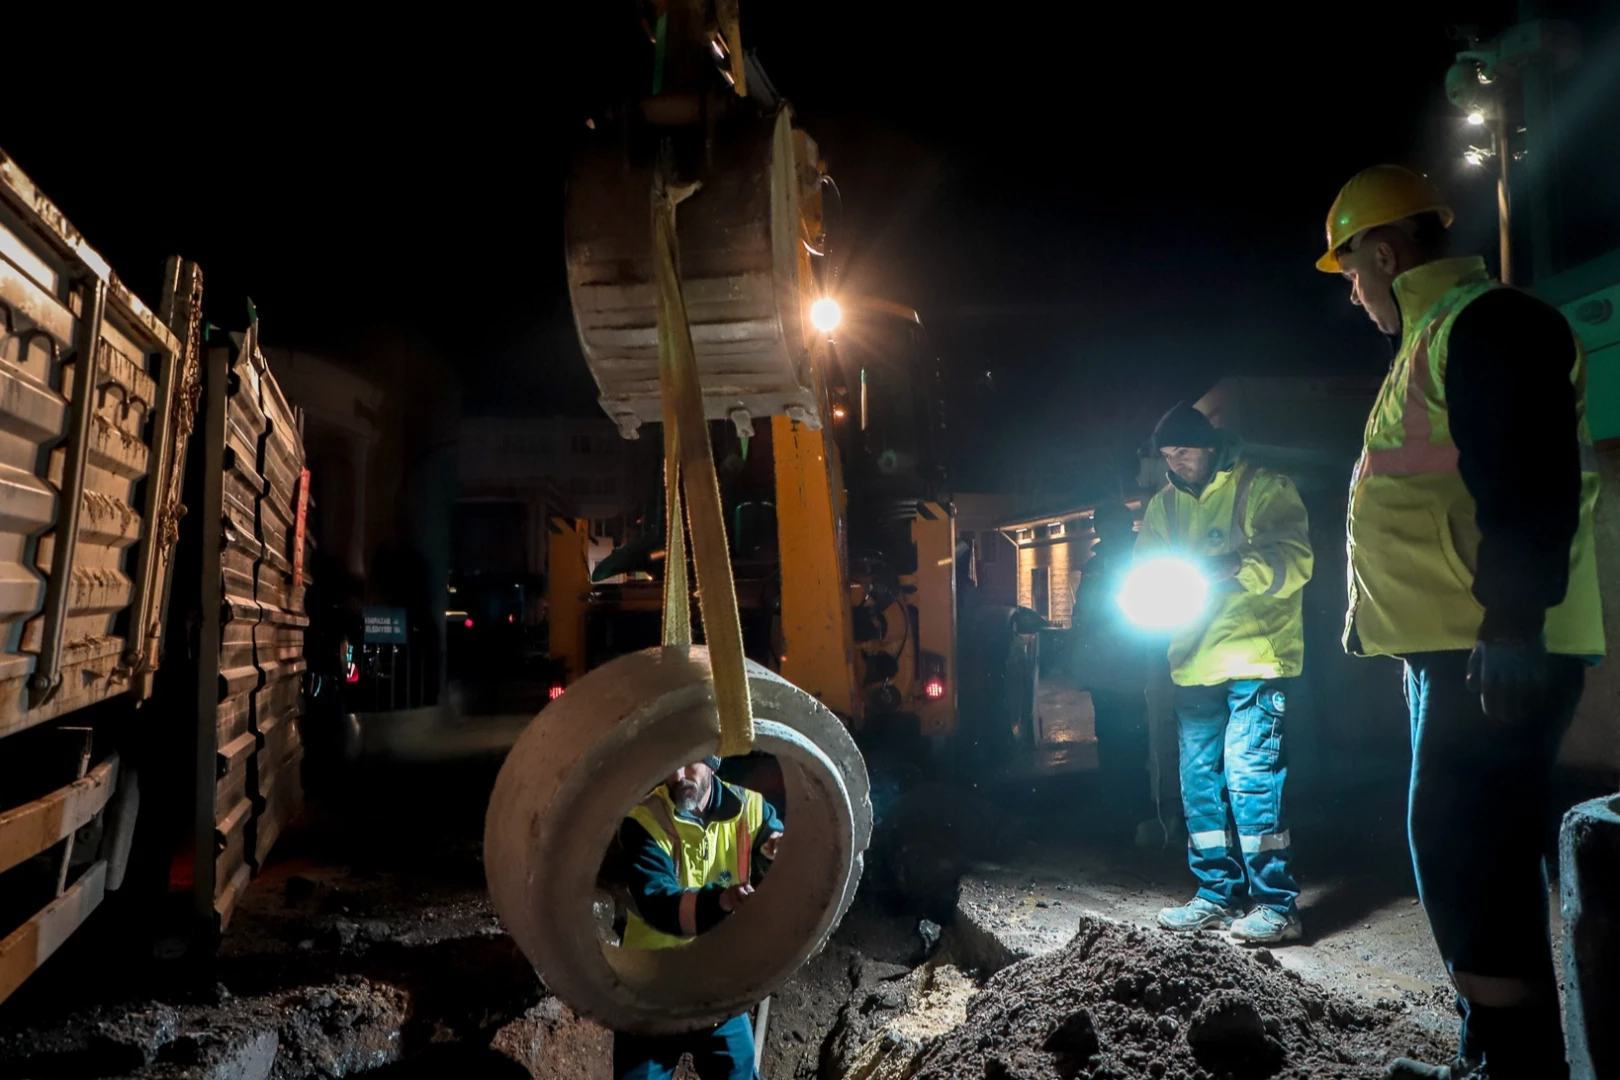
(826, 315)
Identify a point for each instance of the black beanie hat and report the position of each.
(1185, 426)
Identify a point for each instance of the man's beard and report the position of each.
(686, 796)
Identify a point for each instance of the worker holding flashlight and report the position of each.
(1227, 542)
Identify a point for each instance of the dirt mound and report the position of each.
(1120, 1003)
(337, 1029)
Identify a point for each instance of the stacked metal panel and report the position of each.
(78, 437)
(242, 489)
(94, 413)
(278, 639)
(256, 474)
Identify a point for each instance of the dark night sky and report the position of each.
(1107, 212)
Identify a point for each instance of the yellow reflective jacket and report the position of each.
(1253, 628)
(1412, 532)
(720, 853)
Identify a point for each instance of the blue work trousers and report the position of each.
(1478, 820)
(1232, 773)
(720, 1053)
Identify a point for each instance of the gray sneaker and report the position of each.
(1197, 914)
(1267, 926)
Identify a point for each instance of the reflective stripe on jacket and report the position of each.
(1253, 628)
(720, 853)
(1412, 534)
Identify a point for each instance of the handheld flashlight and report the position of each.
(1163, 593)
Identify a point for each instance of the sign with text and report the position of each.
(385, 626)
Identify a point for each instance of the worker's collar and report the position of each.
(1419, 289)
(724, 804)
(1226, 459)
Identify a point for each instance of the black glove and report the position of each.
(1510, 677)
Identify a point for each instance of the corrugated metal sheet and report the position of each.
(242, 488)
(257, 478)
(95, 407)
(56, 457)
(278, 648)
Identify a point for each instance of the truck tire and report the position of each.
(590, 757)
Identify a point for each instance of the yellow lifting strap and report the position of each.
(689, 463)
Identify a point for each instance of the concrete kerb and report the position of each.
(590, 757)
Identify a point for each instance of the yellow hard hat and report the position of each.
(1378, 196)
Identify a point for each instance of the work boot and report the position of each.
(1267, 926)
(1197, 914)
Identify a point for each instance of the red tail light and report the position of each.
(468, 624)
(934, 689)
(556, 691)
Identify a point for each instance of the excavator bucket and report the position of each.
(742, 258)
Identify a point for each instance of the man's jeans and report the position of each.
(1232, 773)
(1477, 819)
(722, 1053)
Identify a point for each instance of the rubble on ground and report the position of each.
(337, 1029)
(881, 1031)
(870, 952)
(552, 1043)
(1120, 1003)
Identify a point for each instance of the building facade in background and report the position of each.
(1049, 554)
(518, 472)
(995, 559)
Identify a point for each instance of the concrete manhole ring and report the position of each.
(592, 755)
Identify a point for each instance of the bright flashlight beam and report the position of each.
(825, 315)
(1163, 593)
(1476, 118)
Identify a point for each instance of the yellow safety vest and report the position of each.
(720, 853)
(1413, 538)
(1257, 632)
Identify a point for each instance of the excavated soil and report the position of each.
(369, 947)
(335, 1029)
(1120, 1003)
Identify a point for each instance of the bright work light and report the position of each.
(825, 314)
(1163, 593)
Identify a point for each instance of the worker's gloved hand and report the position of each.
(768, 848)
(735, 897)
(1218, 568)
(1510, 677)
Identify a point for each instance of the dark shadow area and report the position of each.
(452, 1059)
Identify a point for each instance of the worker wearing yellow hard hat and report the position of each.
(1381, 195)
(1471, 558)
